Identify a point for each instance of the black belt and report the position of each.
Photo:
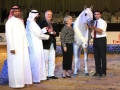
(99, 38)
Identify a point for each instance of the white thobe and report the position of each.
(35, 36)
(19, 70)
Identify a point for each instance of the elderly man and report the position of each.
(35, 36)
(19, 70)
(50, 44)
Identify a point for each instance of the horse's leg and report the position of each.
(86, 62)
(78, 64)
(76, 58)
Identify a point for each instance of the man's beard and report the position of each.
(37, 19)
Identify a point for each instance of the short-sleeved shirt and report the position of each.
(102, 25)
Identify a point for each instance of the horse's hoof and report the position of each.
(74, 75)
(78, 70)
(86, 74)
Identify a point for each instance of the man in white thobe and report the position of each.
(19, 70)
(35, 36)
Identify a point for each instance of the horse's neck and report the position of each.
(83, 26)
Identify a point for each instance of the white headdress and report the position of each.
(32, 15)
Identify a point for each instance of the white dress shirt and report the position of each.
(102, 25)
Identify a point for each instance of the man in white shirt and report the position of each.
(99, 44)
(19, 70)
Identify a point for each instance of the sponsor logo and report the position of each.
(119, 36)
(117, 41)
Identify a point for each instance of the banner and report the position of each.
(113, 37)
(2, 39)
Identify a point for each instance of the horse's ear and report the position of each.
(85, 7)
(91, 7)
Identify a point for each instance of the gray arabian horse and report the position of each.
(81, 38)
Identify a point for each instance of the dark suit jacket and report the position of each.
(52, 39)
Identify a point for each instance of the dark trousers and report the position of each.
(67, 57)
(99, 46)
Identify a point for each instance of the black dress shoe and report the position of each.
(47, 78)
(96, 74)
(68, 76)
(63, 77)
(53, 77)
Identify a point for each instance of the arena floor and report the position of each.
(80, 82)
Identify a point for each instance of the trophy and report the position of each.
(52, 32)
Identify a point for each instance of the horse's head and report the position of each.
(87, 15)
(80, 27)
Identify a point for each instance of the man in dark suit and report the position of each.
(50, 44)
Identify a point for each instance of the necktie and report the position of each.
(95, 31)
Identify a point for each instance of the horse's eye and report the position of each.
(85, 14)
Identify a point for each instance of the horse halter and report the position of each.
(90, 22)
